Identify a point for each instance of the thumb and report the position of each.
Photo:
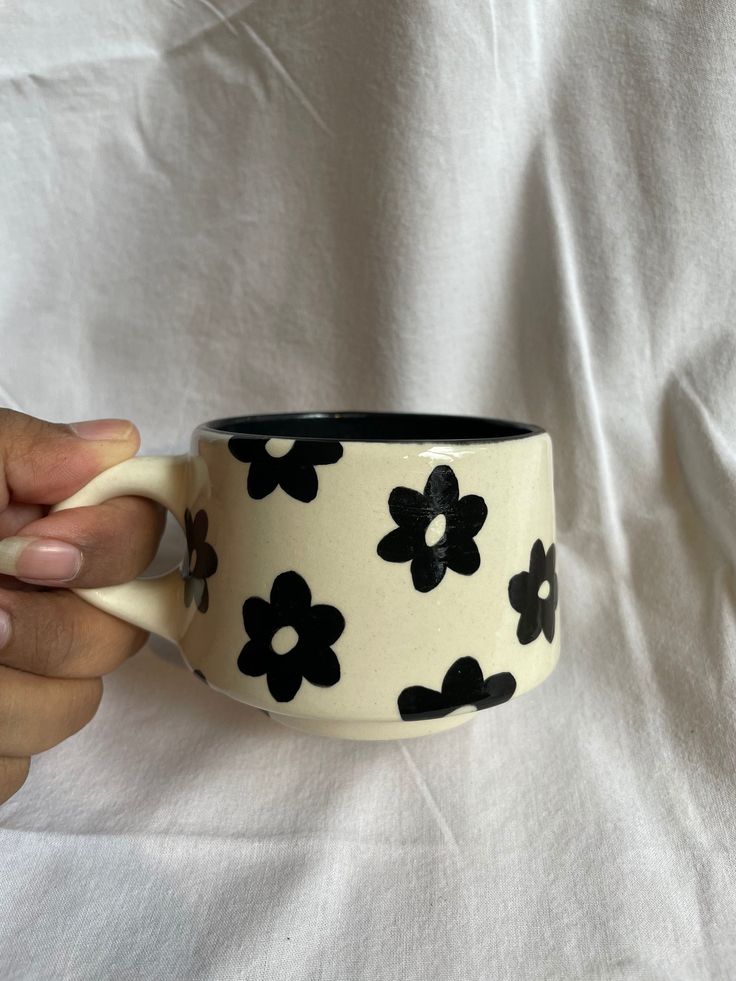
(44, 462)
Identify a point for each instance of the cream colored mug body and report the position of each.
(359, 575)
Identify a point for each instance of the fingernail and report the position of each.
(101, 429)
(39, 560)
(5, 628)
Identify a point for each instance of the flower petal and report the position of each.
(290, 596)
(548, 618)
(418, 702)
(316, 452)
(254, 659)
(409, 509)
(537, 563)
(246, 449)
(463, 556)
(189, 590)
(469, 514)
(206, 564)
(530, 622)
(203, 604)
(549, 565)
(298, 480)
(321, 668)
(463, 683)
(397, 546)
(199, 527)
(427, 570)
(497, 688)
(263, 478)
(259, 619)
(520, 591)
(441, 489)
(194, 590)
(188, 524)
(284, 679)
(325, 624)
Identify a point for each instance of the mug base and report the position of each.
(371, 730)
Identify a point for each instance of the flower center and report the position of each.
(284, 640)
(543, 591)
(278, 447)
(435, 530)
(192, 561)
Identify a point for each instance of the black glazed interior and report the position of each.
(374, 427)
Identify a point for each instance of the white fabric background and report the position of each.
(525, 209)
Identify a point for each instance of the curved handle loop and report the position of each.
(153, 604)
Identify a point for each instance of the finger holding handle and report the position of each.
(152, 604)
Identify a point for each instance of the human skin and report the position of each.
(54, 647)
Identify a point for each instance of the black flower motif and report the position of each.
(462, 685)
(290, 639)
(294, 472)
(202, 561)
(420, 536)
(532, 599)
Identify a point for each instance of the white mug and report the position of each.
(354, 574)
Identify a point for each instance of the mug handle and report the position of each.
(153, 604)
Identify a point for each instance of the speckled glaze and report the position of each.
(396, 637)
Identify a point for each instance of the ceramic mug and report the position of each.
(354, 574)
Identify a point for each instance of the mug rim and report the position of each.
(275, 425)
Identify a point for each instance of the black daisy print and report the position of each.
(202, 561)
(294, 472)
(435, 529)
(462, 685)
(290, 640)
(533, 595)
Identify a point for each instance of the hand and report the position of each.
(54, 647)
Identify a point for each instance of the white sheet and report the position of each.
(525, 209)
